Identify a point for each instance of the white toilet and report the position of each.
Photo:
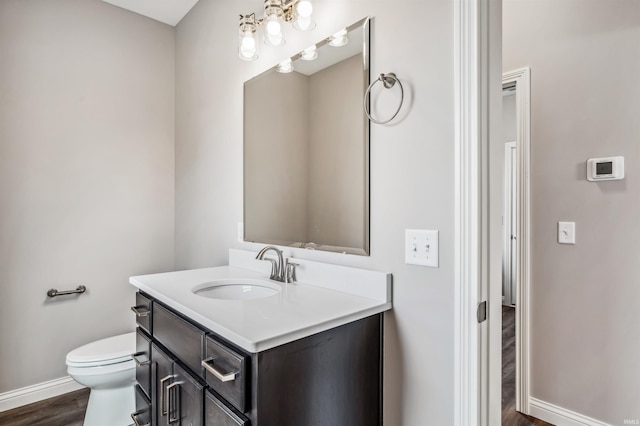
(106, 367)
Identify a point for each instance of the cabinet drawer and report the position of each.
(142, 357)
(143, 312)
(226, 372)
(184, 339)
(142, 415)
(218, 414)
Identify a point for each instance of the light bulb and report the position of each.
(273, 31)
(339, 39)
(248, 47)
(248, 42)
(273, 26)
(304, 24)
(304, 8)
(303, 20)
(285, 66)
(309, 54)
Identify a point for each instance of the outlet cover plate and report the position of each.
(421, 247)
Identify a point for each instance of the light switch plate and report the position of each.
(421, 247)
(567, 232)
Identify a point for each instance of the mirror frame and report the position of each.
(365, 25)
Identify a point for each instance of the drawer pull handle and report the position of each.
(163, 400)
(223, 377)
(174, 406)
(138, 362)
(135, 420)
(139, 312)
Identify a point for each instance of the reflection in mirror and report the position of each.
(306, 148)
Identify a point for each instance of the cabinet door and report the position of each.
(186, 399)
(218, 414)
(162, 372)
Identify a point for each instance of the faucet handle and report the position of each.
(290, 271)
(274, 268)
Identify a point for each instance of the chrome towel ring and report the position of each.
(388, 81)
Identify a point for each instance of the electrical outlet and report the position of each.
(421, 247)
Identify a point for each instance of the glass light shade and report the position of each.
(304, 24)
(339, 39)
(247, 45)
(304, 8)
(273, 31)
(309, 54)
(285, 66)
(303, 20)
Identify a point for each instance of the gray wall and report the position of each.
(585, 329)
(509, 121)
(336, 155)
(86, 175)
(411, 173)
(276, 148)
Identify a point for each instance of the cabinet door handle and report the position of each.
(138, 362)
(163, 400)
(174, 404)
(139, 313)
(207, 363)
(135, 420)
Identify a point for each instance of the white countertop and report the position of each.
(339, 295)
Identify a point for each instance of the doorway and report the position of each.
(512, 183)
(509, 246)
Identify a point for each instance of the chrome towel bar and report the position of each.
(79, 290)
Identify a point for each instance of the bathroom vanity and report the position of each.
(300, 354)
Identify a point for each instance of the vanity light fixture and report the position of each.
(339, 39)
(285, 66)
(276, 13)
(248, 38)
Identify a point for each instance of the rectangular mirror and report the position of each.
(306, 148)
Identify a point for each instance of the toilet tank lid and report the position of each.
(104, 349)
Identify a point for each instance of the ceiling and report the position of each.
(167, 11)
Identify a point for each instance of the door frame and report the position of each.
(477, 102)
(473, 392)
(477, 115)
(521, 78)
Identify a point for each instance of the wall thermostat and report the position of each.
(607, 168)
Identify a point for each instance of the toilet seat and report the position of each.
(109, 351)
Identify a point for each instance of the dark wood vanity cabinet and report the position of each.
(197, 378)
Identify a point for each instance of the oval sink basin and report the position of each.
(237, 289)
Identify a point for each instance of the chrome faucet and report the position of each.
(281, 270)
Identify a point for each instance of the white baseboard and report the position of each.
(27, 395)
(560, 416)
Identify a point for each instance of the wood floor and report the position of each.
(64, 410)
(510, 417)
(68, 409)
